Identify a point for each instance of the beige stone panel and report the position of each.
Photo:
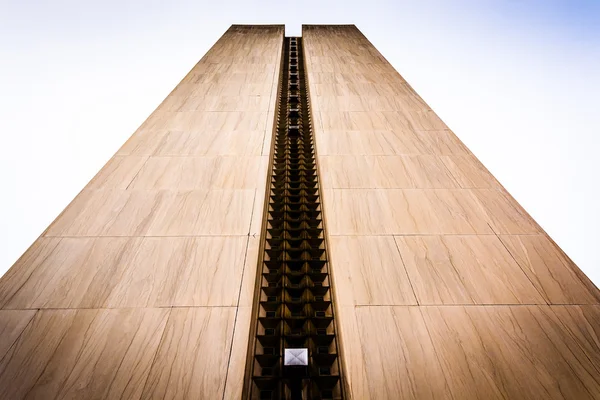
(426, 171)
(581, 330)
(357, 212)
(442, 142)
(201, 212)
(239, 350)
(354, 121)
(465, 269)
(350, 172)
(179, 101)
(118, 172)
(234, 121)
(84, 353)
(252, 255)
(326, 77)
(439, 211)
(505, 214)
(140, 210)
(135, 217)
(424, 120)
(329, 103)
(409, 100)
(242, 103)
(434, 276)
(228, 77)
(268, 135)
(329, 89)
(156, 213)
(400, 121)
(111, 358)
(189, 173)
(335, 142)
(509, 352)
(317, 121)
(258, 210)
(399, 358)
(552, 273)
(469, 172)
(391, 172)
(169, 272)
(352, 352)
(26, 360)
(193, 355)
(12, 324)
(77, 273)
(143, 142)
(187, 89)
(368, 270)
(210, 121)
(109, 212)
(24, 268)
(236, 89)
(211, 143)
(180, 217)
(409, 211)
(91, 212)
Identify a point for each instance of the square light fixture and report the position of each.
(295, 357)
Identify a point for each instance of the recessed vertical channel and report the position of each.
(293, 349)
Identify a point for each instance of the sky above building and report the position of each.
(516, 81)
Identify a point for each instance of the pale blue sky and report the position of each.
(516, 80)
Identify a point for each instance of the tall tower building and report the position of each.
(294, 221)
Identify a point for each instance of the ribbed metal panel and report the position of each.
(294, 308)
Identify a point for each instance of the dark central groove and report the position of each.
(293, 304)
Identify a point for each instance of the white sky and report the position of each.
(518, 82)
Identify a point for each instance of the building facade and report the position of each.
(148, 285)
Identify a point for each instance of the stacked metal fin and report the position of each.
(294, 307)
